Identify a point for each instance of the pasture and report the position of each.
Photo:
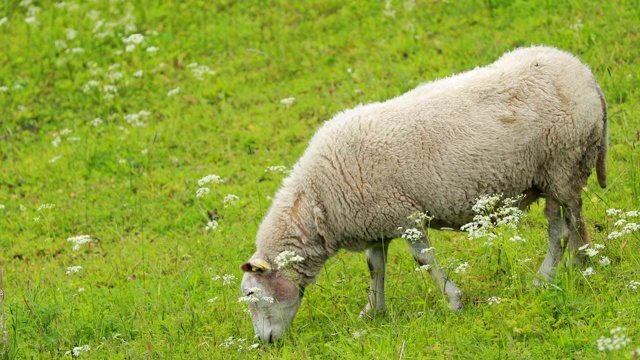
(113, 114)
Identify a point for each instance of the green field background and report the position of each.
(200, 91)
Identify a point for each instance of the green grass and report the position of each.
(148, 273)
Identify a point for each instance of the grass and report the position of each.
(152, 281)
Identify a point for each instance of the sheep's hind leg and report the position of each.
(578, 234)
(376, 260)
(425, 256)
(557, 231)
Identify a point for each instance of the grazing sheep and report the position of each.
(533, 124)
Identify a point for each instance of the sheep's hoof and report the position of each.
(371, 314)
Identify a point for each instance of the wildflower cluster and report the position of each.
(231, 341)
(79, 240)
(492, 213)
(279, 168)
(255, 295)
(494, 300)
(420, 218)
(205, 180)
(286, 257)
(617, 341)
(76, 351)
(230, 200)
(199, 71)
(137, 119)
(633, 285)
(412, 235)
(623, 222)
(592, 250)
(73, 269)
(227, 279)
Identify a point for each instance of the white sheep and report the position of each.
(533, 124)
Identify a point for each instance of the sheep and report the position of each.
(533, 124)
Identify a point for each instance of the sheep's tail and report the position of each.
(601, 162)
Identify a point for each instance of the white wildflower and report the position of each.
(114, 76)
(144, 151)
(228, 279)
(614, 212)
(494, 300)
(76, 50)
(287, 101)
(412, 235)
(604, 260)
(211, 225)
(387, 9)
(426, 250)
(591, 252)
(110, 89)
(173, 92)
(134, 39)
(517, 238)
(60, 44)
(286, 257)
(151, 49)
(138, 74)
(200, 70)
(420, 218)
(461, 268)
(2, 206)
(619, 222)
(280, 168)
(90, 84)
(23, 208)
(56, 141)
(73, 269)
(3, 20)
(202, 191)
(46, 206)
(254, 346)
(423, 267)
(212, 299)
(76, 351)
(71, 34)
(588, 271)
(633, 213)
(54, 159)
(227, 343)
(358, 334)
(79, 240)
(210, 178)
(230, 200)
(4, 89)
(633, 284)
(617, 341)
(97, 122)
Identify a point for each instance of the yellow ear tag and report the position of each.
(263, 264)
(254, 269)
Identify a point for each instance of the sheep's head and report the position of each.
(273, 300)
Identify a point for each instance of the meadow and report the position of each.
(112, 111)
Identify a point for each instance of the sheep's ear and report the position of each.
(256, 266)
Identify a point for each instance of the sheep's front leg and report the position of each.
(425, 256)
(376, 260)
(557, 231)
